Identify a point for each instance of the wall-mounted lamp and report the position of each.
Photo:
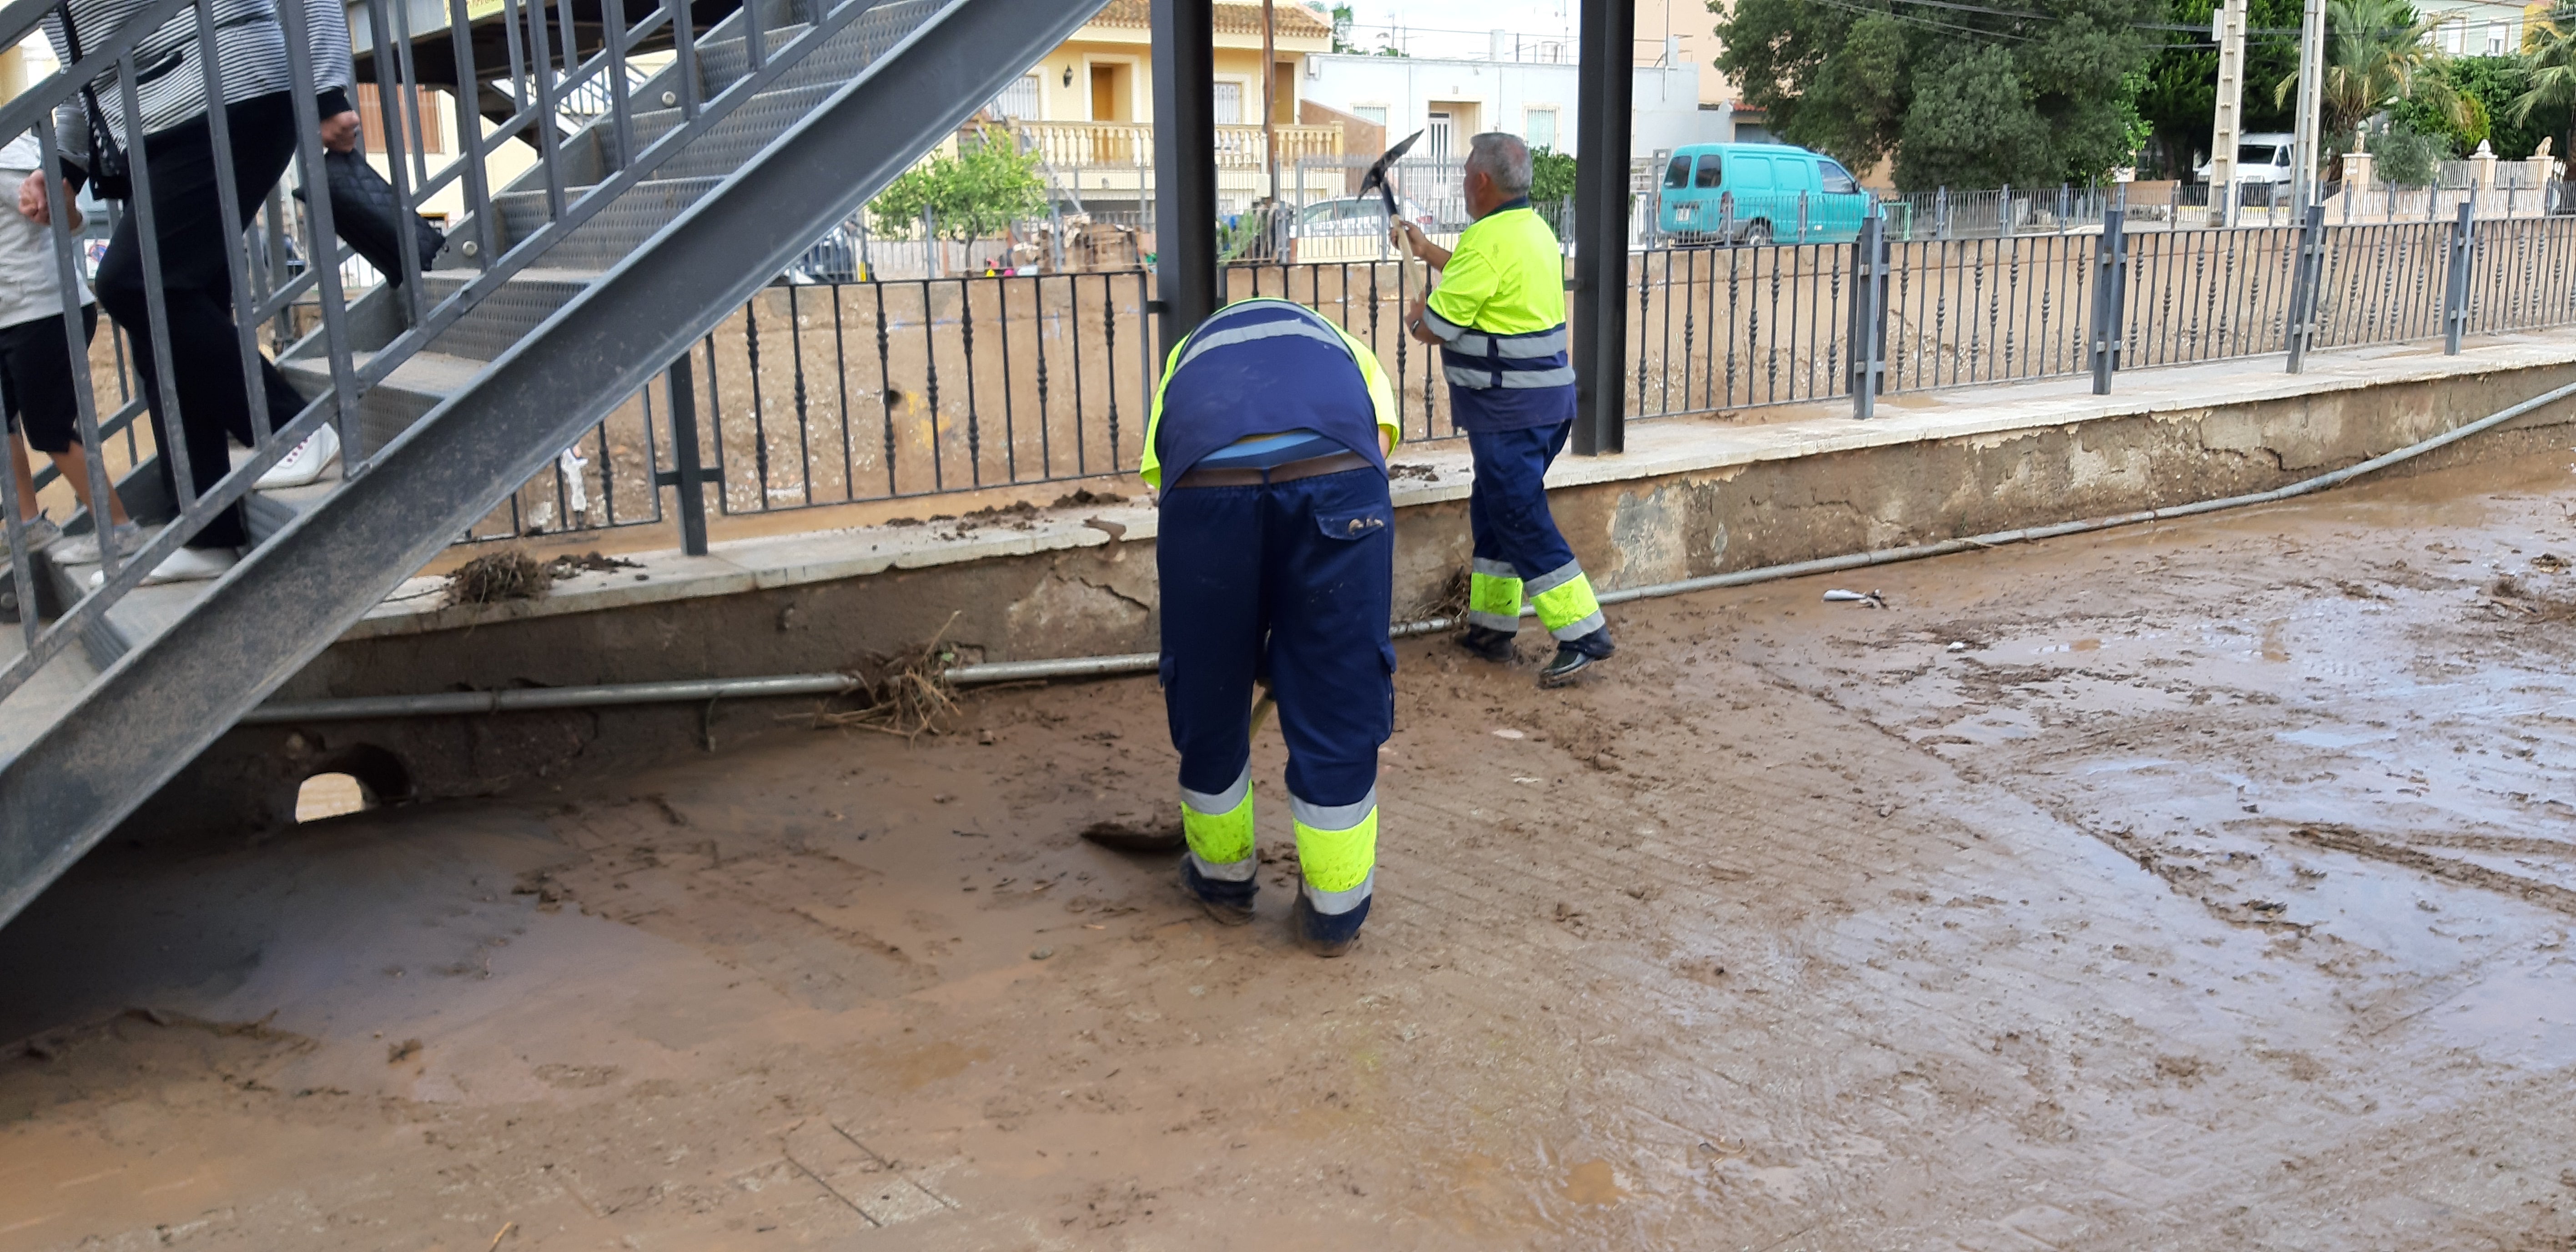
(1068, 76)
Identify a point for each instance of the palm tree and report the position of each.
(2378, 52)
(2549, 53)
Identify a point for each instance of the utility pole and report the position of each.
(2312, 86)
(1270, 105)
(2230, 33)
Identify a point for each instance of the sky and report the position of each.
(1527, 17)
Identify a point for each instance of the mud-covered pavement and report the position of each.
(2206, 887)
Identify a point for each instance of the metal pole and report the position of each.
(1269, 102)
(686, 473)
(1599, 308)
(2312, 85)
(1185, 275)
(1868, 330)
(2230, 123)
(2303, 286)
(2455, 291)
(2110, 298)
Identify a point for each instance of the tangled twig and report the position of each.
(913, 696)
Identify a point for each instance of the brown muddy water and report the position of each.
(2197, 887)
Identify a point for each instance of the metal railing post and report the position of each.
(686, 472)
(2455, 286)
(2305, 280)
(2110, 298)
(1866, 336)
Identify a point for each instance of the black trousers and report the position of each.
(196, 292)
(36, 381)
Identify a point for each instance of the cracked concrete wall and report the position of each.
(1101, 600)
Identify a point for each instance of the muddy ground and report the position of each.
(2199, 887)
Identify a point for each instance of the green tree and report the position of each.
(2379, 53)
(1962, 95)
(2460, 129)
(2496, 83)
(2549, 58)
(976, 194)
(2406, 156)
(1551, 176)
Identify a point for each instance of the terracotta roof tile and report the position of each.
(1231, 18)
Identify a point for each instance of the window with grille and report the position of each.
(1542, 129)
(1019, 101)
(1229, 104)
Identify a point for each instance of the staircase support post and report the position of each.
(1599, 309)
(1185, 270)
(686, 472)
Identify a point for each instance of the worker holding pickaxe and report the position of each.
(1276, 552)
(1498, 315)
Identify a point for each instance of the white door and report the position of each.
(1439, 136)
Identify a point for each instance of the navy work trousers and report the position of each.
(1291, 583)
(1507, 508)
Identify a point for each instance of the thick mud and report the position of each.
(2198, 887)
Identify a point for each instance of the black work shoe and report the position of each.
(1325, 936)
(1221, 909)
(1487, 643)
(1574, 655)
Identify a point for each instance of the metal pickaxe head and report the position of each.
(1376, 176)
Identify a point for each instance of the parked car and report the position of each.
(1354, 215)
(1766, 185)
(2262, 158)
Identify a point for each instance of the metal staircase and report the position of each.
(566, 291)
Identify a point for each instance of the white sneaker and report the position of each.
(187, 565)
(305, 463)
(83, 549)
(36, 534)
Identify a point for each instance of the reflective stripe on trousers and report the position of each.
(1494, 596)
(1219, 829)
(1566, 605)
(1336, 852)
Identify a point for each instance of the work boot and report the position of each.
(1573, 655)
(1488, 644)
(1325, 936)
(1227, 903)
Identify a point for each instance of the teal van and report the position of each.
(1769, 184)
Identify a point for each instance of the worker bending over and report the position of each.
(1268, 444)
(1498, 315)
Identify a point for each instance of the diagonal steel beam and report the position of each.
(163, 704)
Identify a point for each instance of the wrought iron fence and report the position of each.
(839, 393)
(1715, 328)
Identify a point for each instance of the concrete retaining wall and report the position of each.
(1634, 520)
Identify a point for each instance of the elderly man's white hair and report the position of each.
(1504, 159)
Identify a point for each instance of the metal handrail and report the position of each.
(201, 502)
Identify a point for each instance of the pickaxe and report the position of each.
(1376, 178)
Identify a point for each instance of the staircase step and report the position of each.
(46, 697)
(741, 135)
(616, 229)
(506, 316)
(136, 619)
(391, 406)
(721, 61)
(268, 512)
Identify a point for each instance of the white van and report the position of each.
(2262, 158)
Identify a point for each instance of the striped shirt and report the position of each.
(250, 57)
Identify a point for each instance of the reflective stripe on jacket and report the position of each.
(1265, 367)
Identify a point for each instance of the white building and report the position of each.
(1523, 87)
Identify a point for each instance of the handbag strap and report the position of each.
(89, 92)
